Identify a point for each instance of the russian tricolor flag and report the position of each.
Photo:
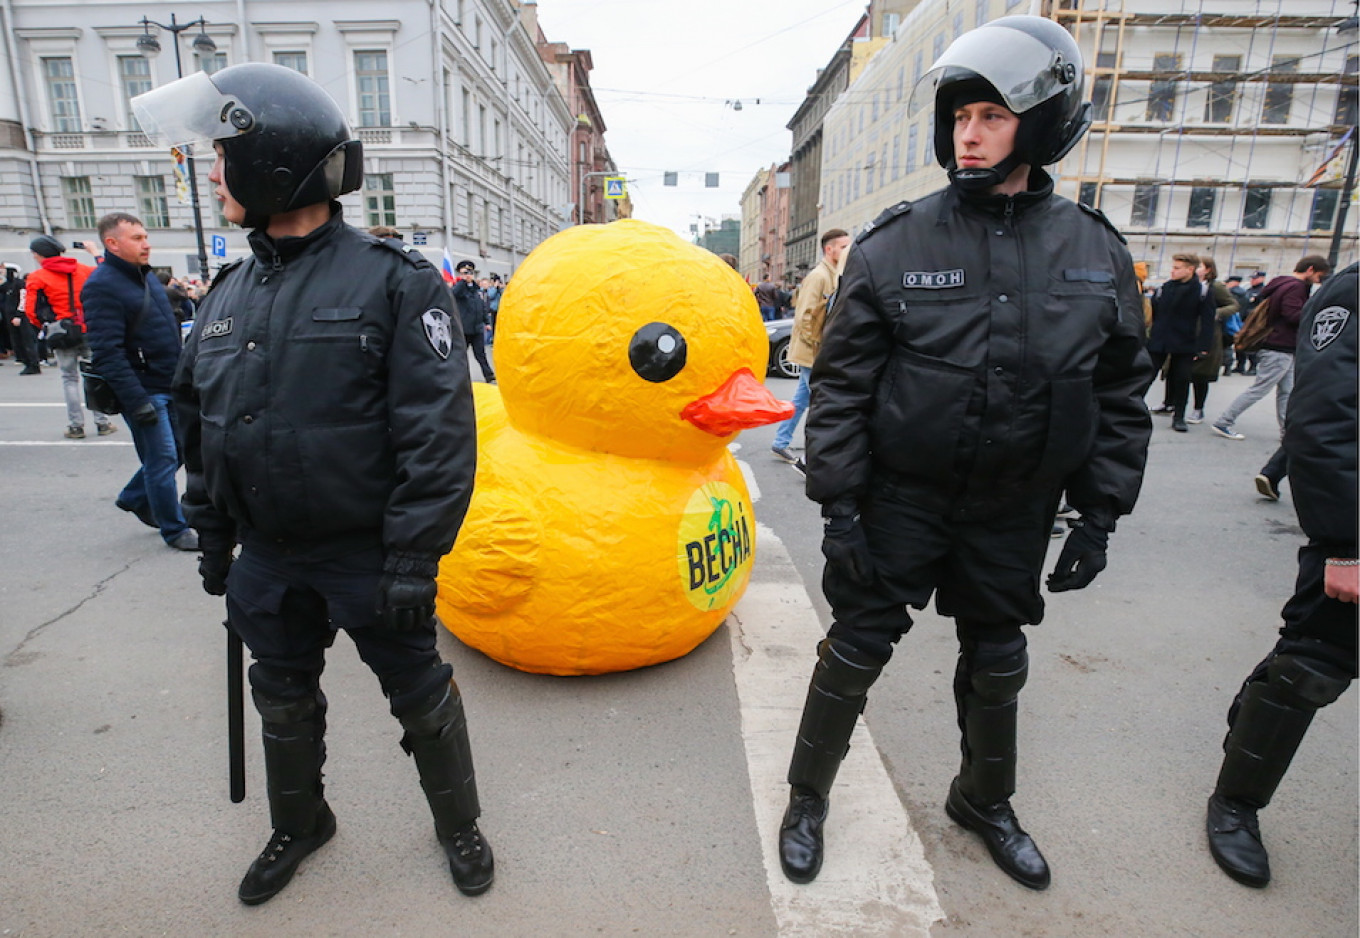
(447, 269)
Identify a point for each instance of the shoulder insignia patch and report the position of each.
(1327, 325)
(885, 216)
(439, 331)
(410, 254)
(1098, 214)
(217, 328)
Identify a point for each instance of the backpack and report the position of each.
(1255, 328)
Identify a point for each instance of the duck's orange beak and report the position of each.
(741, 402)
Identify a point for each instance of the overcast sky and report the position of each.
(667, 74)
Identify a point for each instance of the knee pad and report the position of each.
(284, 709)
(1306, 682)
(434, 713)
(284, 696)
(1000, 680)
(844, 670)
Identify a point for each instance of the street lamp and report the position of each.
(150, 47)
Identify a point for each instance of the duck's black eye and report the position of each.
(657, 352)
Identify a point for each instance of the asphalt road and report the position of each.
(644, 803)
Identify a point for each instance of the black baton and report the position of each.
(236, 742)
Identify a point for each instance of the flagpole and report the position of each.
(1346, 188)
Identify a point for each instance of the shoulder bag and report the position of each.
(1255, 328)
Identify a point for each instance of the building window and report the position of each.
(297, 61)
(1219, 104)
(937, 47)
(897, 156)
(134, 71)
(211, 62)
(1346, 96)
(911, 148)
(1087, 195)
(901, 81)
(1102, 88)
(869, 175)
(1323, 215)
(890, 23)
(467, 119)
(1256, 208)
(1161, 103)
(151, 201)
(958, 24)
(873, 115)
(1144, 213)
(60, 76)
(1201, 213)
(1279, 96)
(980, 12)
(79, 202)
(917, 66)
(380, 199)
(370, 77)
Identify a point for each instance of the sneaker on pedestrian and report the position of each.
(800, 466)
(30, 370)
(74, 433)
(143, 513)
(1268, 487)
(1196, 416)
(1164, 409)
(1227, 432)
(1179, 426)
(1059, 530)
(1065, 510)
(106, 428)
(784, 453)
(185, 540)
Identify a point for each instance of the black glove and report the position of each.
(846, 548)
(215, 562)
(213, 567)
(146, 415)
(407, 590)
(1082, 557)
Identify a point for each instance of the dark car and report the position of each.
(779, 331)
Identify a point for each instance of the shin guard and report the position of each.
(436, 736)
(293, 732)
(987, 707)
(836, 697)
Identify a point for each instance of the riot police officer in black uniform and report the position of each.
(328, 428)
(985, 354)
(1314, 660)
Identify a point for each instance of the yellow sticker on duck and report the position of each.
(716, 545)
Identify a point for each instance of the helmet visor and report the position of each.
(190, 111)
(1023, 70)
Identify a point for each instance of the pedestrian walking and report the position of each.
(1275, 361)
(1182, 327)
(939, 442)
(134, 341)
(52, 304)
(1204, 371)
(329, 431)
(1314, 660)
(473, 315)
(23, 337)
(809, 319)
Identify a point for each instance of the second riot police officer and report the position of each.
(985, 354)
(328, 429)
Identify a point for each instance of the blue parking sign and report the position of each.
(219, 246)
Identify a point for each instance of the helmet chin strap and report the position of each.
(980, 179)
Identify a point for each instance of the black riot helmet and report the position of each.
(1028, 64)
(285, 143)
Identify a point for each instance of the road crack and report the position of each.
(17, 656)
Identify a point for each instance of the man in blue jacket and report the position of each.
(134, 339)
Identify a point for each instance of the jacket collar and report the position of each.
(275, 253)
(1037, 190)
(60, 265)
(137, 272)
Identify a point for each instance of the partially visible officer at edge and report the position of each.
(1314, 660)
(985, 353)
(329, 429)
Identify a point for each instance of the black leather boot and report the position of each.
(979, 797)
(436, 736)
(1268, 720)
(836, 696)
(294, 751)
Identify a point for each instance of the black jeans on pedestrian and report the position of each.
(477, 341)
(1177, 379)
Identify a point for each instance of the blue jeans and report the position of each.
(784, 435)
(153, 485)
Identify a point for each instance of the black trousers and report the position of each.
(1178, 368)
(477, 340)
(287, 608)
(983, 573)
(24, 339)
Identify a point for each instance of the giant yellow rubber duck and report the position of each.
(610, 527)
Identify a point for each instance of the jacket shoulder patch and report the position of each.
(1100, 216)
(885, 216)
(1327, 325)
(408, 253)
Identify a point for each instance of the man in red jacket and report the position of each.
(1275, 365)
(53, 290)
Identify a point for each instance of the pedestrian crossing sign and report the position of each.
(614, 187)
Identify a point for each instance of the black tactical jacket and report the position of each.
(323, 401)
(984, 351)
(1320, 427)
